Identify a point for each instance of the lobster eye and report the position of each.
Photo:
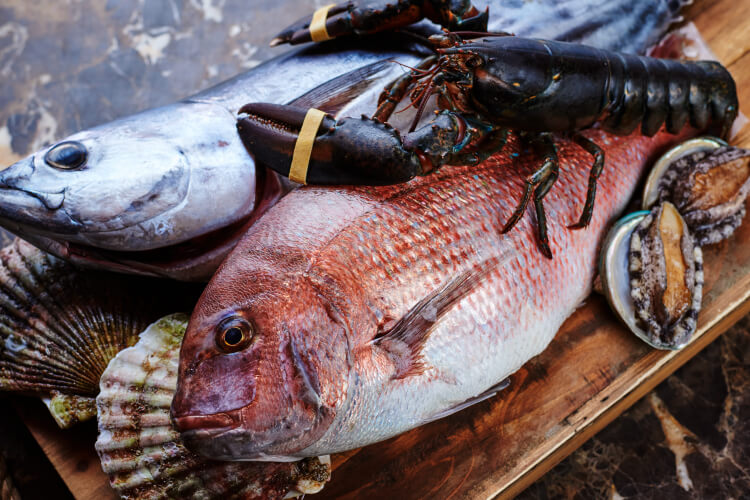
(67, 155)
(234, 334)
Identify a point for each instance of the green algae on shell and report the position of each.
(60, 327)
(142, 452)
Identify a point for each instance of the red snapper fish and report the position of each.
(346, 316)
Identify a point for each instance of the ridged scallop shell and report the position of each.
(709, 187)
(60, 327)
(666, 277)
(142, 452)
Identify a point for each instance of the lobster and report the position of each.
(487, 84)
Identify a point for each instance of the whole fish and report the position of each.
(169, 191)
(347, 316)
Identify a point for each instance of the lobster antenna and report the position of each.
(479, 34)
(427, 93)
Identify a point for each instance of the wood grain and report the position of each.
(592, 372)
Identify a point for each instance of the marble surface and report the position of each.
(689, 438)
(66, 65)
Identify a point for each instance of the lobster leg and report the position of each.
(494, 142)
(540, 182)
(596, 171)
(395, 92)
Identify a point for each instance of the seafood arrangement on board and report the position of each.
(347, 314)
(86, 207)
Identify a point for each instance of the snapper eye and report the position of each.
(67, 155)
(234, 334)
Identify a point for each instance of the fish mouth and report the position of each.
(214, 424)
(173, 261)
(10, 177)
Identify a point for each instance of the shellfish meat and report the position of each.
(709, 188)
(59, 327)
(666, 277)
(143, 453)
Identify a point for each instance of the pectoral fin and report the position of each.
(333, 95)
(405, 340)
(471, 401)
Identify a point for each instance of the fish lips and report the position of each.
(222, 436)
(198, 427)
(246, 433)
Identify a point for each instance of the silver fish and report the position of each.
(169, 191)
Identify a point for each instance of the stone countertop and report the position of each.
(688, 438)
(70, 65)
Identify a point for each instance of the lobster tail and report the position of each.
(720, 104)
(654, 92)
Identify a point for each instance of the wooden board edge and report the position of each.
(661, 370)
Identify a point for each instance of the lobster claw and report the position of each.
(352, 19)
(335, 19)
(346, 151)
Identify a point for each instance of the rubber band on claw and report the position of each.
(318, 31)
(303, 146)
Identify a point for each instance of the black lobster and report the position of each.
(486, 84)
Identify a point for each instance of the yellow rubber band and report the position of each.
(303, 146)
(318, 31)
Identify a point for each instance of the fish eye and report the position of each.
(67, 155)
(234, 334)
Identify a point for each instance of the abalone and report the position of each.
(666, 277)
(709, 186)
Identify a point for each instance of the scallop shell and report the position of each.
(708, 182)
(142, 452)
(60, 327)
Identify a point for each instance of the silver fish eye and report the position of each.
(67, 155)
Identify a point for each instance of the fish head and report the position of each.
(132, 184)
(264, 368)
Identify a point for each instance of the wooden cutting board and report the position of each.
(590, 373)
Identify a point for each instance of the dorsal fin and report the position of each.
(333, 95)
(404, 341)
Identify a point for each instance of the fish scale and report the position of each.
(369, 257)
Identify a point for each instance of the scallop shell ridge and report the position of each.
(60, 327)
(142, 452)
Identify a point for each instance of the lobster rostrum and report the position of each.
(486, 85)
